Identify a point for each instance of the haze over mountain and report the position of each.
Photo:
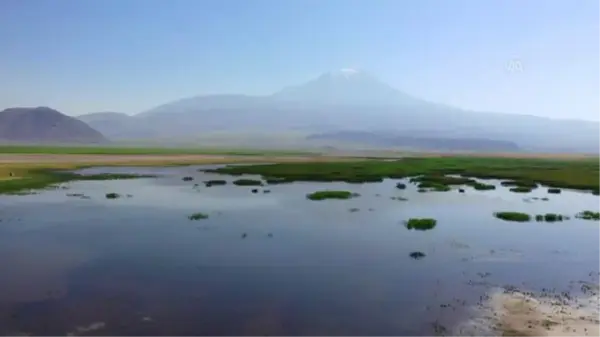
(350, 100)
(42, 124)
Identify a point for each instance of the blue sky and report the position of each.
(537, 57)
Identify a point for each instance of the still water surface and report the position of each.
(273, 263)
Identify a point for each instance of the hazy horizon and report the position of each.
(534, 58)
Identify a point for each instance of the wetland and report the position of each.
(180, 258)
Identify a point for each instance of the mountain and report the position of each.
(46, 125)
(351, 100)
(117, 125)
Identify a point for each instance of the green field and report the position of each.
(118, 150)
(580, 174)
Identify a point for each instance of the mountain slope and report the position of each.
(43, 124)
(118, 126)
(353, 100)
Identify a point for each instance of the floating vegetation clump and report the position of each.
(554, 190)
(520, 183)
(331, 194)
(433, 186)
(276, 181)
(520, 189)
(442, 180)
(401, 186)
(483, 187)
(513, 216)
(420, 224)
(187, 178)
(247, 182)
(588, 215)
(417, 255)
(215, 182)
(198, 216)
(112, 195)
(550, 217)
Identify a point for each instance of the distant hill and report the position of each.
(345, 100)
(415, 142)
(43, 124)
(118, 126)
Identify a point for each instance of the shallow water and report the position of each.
(275, 263)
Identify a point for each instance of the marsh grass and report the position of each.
(520, 189)
(588, 215)
(215, 182)
(277, 181)
(513, 216)
(247, 182)
(550, 217)
(46, 178)
(198, 216)
(330, 194)
(420, 224)
(518, 172)
(482, 187)
(417, 255)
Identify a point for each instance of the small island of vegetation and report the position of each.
(215, 182)
(330, 194)
(550, 217)
(198, 216)
(247, 182)
(588, 215)
(513, 216)
(420, 224)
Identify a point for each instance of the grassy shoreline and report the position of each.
(573, 174)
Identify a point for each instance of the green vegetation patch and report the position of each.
(513, 216)
(433, 186)
(45, 178)
(588, 215)
(247, 182)
(215, 182)
(420, 224)
(580, 174)
(520, 189)
(330, 194)
(550, 217)
(417, 255)
(198, 216)
(482, 187)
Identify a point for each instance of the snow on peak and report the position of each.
(347, 72)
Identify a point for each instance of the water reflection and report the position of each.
(273, 263)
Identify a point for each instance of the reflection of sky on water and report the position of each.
(303, 266)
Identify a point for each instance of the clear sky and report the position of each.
(537, 57)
